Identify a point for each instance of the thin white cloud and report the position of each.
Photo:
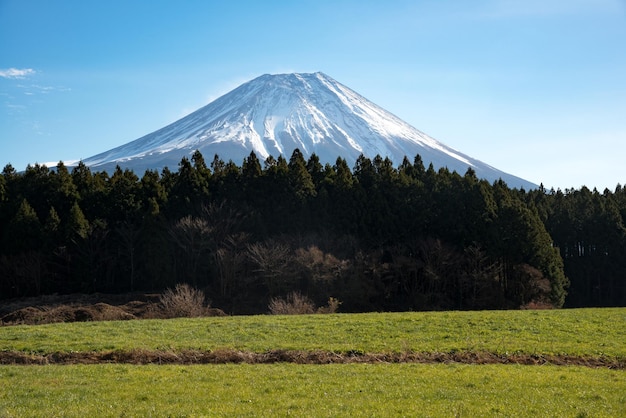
(15, 106)
(16, 72)
(36, 88)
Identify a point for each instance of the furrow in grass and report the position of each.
(227, 356)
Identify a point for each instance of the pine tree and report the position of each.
(251, 167)
(123, 201)
(63, 190)
(315, 169)
(77, 225)
(24, 231)
(3, 190)
(300, 181)
(152, 193)
(52, 225)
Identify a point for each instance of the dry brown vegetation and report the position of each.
(228, 356)
(298, 304)
(66, 313)
(183, 301)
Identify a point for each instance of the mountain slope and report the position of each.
(274, 114)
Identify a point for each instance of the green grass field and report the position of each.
(340, 390)
(585, 332)
(285, 389)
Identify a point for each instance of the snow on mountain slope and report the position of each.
(275, 114)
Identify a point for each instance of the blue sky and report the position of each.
(536, 88)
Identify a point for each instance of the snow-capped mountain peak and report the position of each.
(275, 114)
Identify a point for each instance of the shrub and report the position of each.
(331, 307)
(298, 304)
(295, 304)
(183, 301)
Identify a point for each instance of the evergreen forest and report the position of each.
(377, 236)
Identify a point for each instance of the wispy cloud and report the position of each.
(16, 72)
(32, 89)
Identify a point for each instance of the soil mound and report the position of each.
(34, 315)
(82, 308)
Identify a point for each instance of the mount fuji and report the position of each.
(275, 114)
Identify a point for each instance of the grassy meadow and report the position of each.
(286, 389)
(581, 332)
(338, 390)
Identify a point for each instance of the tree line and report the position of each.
(375, 236)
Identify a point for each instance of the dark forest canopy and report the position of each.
(375, 236)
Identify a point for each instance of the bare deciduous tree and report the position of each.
(320, 266)
(230, 257)
(271, 260)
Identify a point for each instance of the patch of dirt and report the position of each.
(227, 356)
